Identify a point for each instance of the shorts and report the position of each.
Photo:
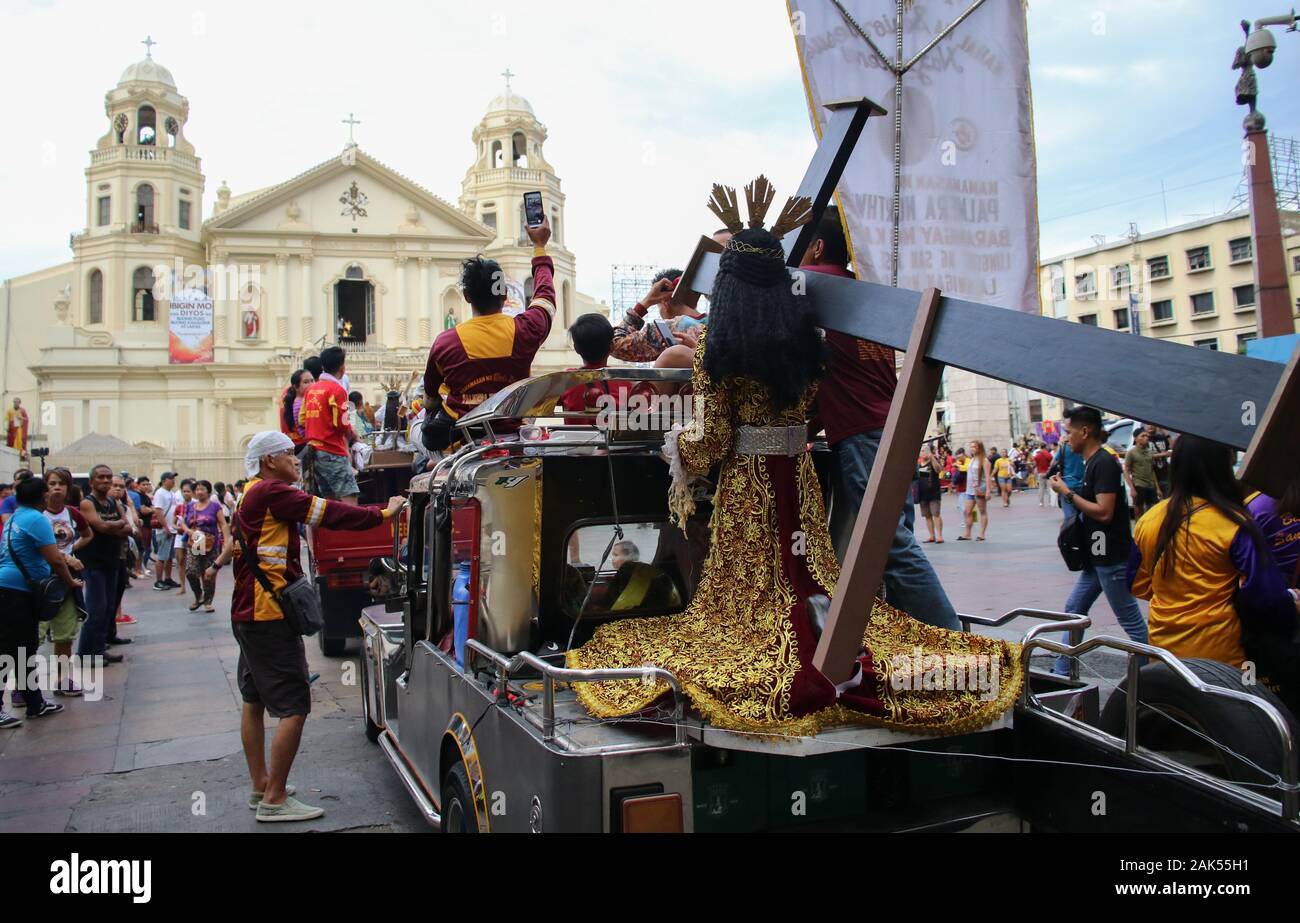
(63, 627)
(334, 477)
(1146, 496)
(1004, 482)
(162, 545)
(930, 508)
(272, 670)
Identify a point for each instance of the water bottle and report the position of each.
(460, 610)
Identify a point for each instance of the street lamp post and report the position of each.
(1272, 294)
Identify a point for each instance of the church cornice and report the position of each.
(336, 165)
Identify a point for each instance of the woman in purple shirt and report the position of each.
(206, 531)
(1279, 520)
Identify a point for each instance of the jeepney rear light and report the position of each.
(653, 814)
(341, 579)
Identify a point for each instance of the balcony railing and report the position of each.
(508, 174)
(143, 152)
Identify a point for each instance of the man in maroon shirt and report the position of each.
(472, 361)
(853, 403)
(272, 670)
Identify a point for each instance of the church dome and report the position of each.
(511, 102)
(148, 71)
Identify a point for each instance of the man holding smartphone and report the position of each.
(637, 341)
(474, 360)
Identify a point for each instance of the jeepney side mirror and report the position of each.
(386, 578)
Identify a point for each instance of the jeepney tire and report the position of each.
(457, 803)
(1235, 726)
(331, 647)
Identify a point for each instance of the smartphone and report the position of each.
(666, 331)
(534, 214)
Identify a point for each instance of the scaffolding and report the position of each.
(1284, 155)
(628, 284)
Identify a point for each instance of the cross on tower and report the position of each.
(506, 73)
(351, 121)
(148, 44)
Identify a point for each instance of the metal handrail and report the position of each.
(1290, 771)
(1066, 621)
(506, 667)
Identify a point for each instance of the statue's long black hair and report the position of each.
(759, 327)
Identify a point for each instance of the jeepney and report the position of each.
(506, 566)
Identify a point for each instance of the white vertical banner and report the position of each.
(968, 208)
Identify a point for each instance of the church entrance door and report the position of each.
(354, 311)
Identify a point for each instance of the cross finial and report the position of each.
(148, 44)
(506, 73)
(351, 121)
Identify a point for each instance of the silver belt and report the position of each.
(771, 440)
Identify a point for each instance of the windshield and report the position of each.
(641, 574)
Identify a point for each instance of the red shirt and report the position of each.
(479, 357)
(1042, 460)
(859, 386)
(267, 515)
(324, 417)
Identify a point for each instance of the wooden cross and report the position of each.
(148, 44)
(350, 122)
(1245, 403)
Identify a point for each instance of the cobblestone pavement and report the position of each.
(161, 750)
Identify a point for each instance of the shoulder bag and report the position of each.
(50, 592)
(298, 600)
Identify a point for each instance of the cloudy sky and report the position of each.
(646, 104)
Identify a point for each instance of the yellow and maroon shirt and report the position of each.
(268, 515)
(479, 357)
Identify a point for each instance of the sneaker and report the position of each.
(19, 699)
(160, 585)
(47, 708)
(255, 798)
(9, 722)
(126, 620)
(119, 640)
(172, 584)
(68, 689)
(291, 810)
(113, 658)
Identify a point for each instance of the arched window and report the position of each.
(519, 150)
(144, 210)
(497, 159)
(354, 272)
(142, 303)
(146, 125)
(95, 298)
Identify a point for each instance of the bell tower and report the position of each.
(144, 203)
(510, 160)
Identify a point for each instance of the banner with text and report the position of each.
(189, 324)
(969, 214)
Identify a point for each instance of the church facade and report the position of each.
(347, 252)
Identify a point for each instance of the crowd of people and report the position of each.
(1212, 560)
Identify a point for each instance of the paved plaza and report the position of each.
(161, 750)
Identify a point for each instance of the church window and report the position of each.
(354, 272)
(490, 219)
(142, 301)
(497, 156)
(146, 125)
(184, 218)
(519, 150)
(95, 299)
(119, 126)
(105, 210)
(144, 223)
(173, 129)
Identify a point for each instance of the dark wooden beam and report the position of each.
(1270, 463)
(877, 519)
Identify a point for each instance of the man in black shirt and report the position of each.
(1107, 539)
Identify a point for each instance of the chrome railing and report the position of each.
(506, 667)
(1290, 774)
(1072, 622)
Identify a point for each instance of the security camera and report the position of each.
(1260, 46)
